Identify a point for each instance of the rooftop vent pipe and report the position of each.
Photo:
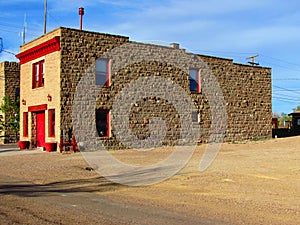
(81, 13)
(175, 45)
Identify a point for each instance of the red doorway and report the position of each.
(40, 129)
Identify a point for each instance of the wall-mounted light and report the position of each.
(23, 101)
(49, 97)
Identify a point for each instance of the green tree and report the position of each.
(283, 118)
(10, 122)
(297, 108)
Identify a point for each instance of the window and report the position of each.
(38, 70)
(103, 72)
(17, 94)
(25, 124)
(103, 123)
(51, 122)
(195, 117)
(298, 122)
(195, 84)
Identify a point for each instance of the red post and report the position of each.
(81, 13)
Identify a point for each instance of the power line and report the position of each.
(295, 90)
(292, 98)
(285, 89)
(286, 78)
(281, 60)
(286, 99)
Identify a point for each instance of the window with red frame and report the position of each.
(25, 124)
(51, 116)
(103, 123)
(38, 70)
(195, 82)
(103, 72)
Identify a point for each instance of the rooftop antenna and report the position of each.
(252, 60)
(24, 30)
(45, 16)
(1, 45)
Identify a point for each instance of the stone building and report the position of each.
(65, 64)
(10, 87)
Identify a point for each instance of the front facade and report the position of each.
(9, 87)
(53, 65)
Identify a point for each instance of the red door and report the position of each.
(40, 129)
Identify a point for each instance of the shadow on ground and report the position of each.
(98, 184)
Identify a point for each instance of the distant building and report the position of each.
(10, 87)
(53, 64)
(295, 122)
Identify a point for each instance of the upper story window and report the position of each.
(38, 70)
(195, 82)
(103, 72)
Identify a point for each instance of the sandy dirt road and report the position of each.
(252, 183)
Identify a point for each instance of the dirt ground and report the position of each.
(251, 183)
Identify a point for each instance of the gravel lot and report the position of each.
(251, 183)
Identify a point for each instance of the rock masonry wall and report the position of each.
(79, 49)
(12, 79)
(10, 73)
(246, 89)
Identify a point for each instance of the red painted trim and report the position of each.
(40, 50)
(25, 124)
(51, 122)
(108, 123)
(36, 108)
(199, 81)
(108, 73)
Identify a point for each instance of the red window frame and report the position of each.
(25, 124)
(51, 122)
(197, 79)
(38, 74)
(101, 72)
(103, 122)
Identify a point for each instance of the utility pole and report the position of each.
(252, 60)
(45, 16)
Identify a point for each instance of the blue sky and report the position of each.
(224, 28)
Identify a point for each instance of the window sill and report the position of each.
(196, 92)
(104, 137)
(38, 88)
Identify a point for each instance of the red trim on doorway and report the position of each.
(36, 108)
(51, 122)
(25, 124)
(108, 124)
(40, 50)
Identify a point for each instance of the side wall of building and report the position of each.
(248, 96)
(10, 86)
(79, 50)
(246, 90)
